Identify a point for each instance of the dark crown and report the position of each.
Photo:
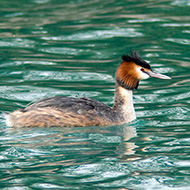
(135, 57)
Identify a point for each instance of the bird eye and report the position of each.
(142, 69)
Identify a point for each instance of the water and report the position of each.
(72, 48)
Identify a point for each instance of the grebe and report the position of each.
(66, 111)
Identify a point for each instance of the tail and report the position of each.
(8, 120)
(11, 118)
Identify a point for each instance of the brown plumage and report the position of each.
(49, 117)
(62, 111)
(126, 75)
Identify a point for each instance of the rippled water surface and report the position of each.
(72, 48)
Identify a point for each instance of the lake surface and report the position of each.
(72, 48)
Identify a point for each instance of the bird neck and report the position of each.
(123, 104)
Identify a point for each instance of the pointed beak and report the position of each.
(157, 75)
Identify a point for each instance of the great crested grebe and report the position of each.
(63, 111)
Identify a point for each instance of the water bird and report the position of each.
(63, 111)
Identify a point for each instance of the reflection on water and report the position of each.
(106, 156)
(72, 48)
(32, 149)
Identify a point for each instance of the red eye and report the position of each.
(142, 69)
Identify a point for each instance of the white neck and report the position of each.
(123, 104)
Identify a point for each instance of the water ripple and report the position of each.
(17, 42)
(66, 51)
(151, 20)
(67, 76)
(180, 41)
(181, 3)
(97, 35)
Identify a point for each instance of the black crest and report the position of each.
(135, 57)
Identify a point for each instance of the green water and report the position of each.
(72, 48)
